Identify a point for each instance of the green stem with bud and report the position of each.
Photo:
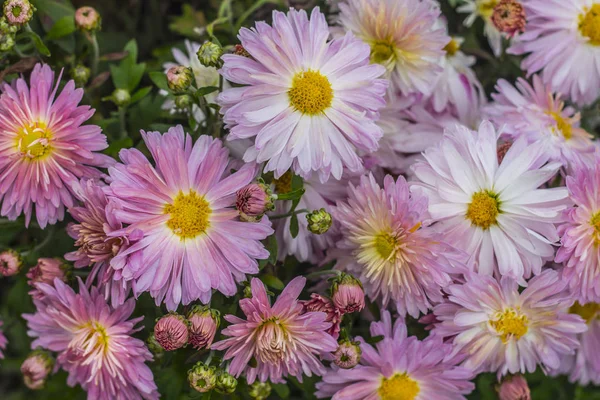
(325, 272)
(95, 53)
(279, 216)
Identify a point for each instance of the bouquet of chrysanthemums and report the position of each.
(300, 199)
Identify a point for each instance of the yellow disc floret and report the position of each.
(189, 215)
(385, 244)
(595, 223)
(311, 92)
(589, 311)
(33, 141)
(510, 323)
(589, 24)
(284, 183)
(486, 7)
(399, 387)
(452, 47)
(562, 125)
(382, 51)
(483, 209)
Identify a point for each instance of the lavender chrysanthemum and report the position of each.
(193, 241)
(281, 338)
(94, 342)
(499, 329)
(580, 234)
(399, 367)
(493, 210)
(310, 103)
(390, 247)
(45, 149)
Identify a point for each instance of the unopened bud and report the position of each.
(18, 12)
(183, 102)
(36, 368)
(7, 34)
(87, 19)
(10, 263)
(210, 54)
(179, 78)
(120, 97)
(347, 294)
(347, 355)
(253, 201)
(514, 388)
(325, 305)
(80, 74)
(171, 331)
(319, 221)
(509, 17)
(45, 271)
(260, 390)
(202, 377)
(204, 323)
(226, 383)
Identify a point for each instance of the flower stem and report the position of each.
(325, 272)
(279, 216)
(95, 53)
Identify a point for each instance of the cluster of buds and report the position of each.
(155, 348)
(347, 355)
(173, 331)
(36, 368)
(10, 263)
(347, 294)
(18, 12)
(179, 79)
(45, 271)
(319, 221)
(260, 390)
(210, 54)
(7, 34)
(87, 19)
(514, 388)
(254, 200)
(509, 17)
(203, 325)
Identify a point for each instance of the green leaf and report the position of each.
(159, 79)
(253, 363)
(282, 390)
(61, 28)
(272, 248)
(293, 195)
(128, 74)
(186, 23)
(294, 227)
(206, 90)
(272, 281)
(38, 43)
(375, 339)
(140, 94)
(54, 9)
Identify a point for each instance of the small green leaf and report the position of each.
(61, 28)
(186, 23)
(140, 94)
(272, 248)
(159, 79)
(375, 339)
(206, 90)
(293, 195)
(282, 390)
(38, 43)
(294, 227)
(273, 281)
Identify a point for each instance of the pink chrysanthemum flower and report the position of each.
(45, 271)
(97, 247)
(535, 112)
(193, 240)
(399, 367)
(45, 149)
(403, 37)
(390, 247)
(499, 329)
(3, 341)
(94, 342)
(562, 38)
(493, 211)
(281, 338)
(310, 102)
(580, 235)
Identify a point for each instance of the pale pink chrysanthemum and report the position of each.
(45, 149)
(282, 338)
(497, 328)
(45, 271)
(562, 40)
(184, 203)
(96, 246)
(309, 103)
(3, 341)
(403, 37)
(399, 367)
(94, 342)
(580, 234)
(10, 263)
(533, 111)
(493, 211)
(388, 244)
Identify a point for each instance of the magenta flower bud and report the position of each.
(509, 17)
(348, 294)
(324, 304)
(204, 323)
(253, 201)
(171, 331)
(44, 272)
(10, 263)
(18, 12)
(347, 355)
(36, 368)
(514, 388)
(87, 19)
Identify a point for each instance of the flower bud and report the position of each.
(204, 323)
(44, 272)
(319, 221)
(253, 201)
(171, 331)
(509, 17)
(87, 19)
(347, 354)
(179, 78)
(10, 263)
(260, 390)
(514, 388)
(120, 97)
(155, 347)
(210, 54)
(80, 74)
(202, 378)
(18, 12)
(226, 383)
(347, 294)
(36, 368)
(324, 304)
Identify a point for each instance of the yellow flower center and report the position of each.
(595, 223)
(510, 323)
(33, 142)
(562, 126)
(189, 215)
(382, 51)
(385, 244)
(284, 183)
(399, 387)
(589, 311)
(452, 48)
(589, 24)
(483, 209)
(486, 8)
(311, 92)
